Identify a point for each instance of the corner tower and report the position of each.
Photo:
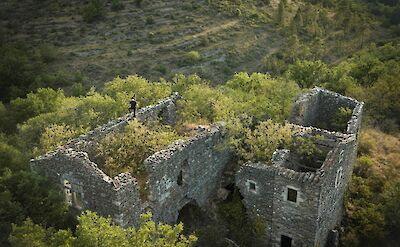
(302, 202)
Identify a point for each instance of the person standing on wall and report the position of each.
(133, 104)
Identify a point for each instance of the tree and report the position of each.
(281, 13)
(17, 70)
(93, 11)
(192, 57)
(22, 195)
(198, 104)
(262, 142)
(146, 93)
(308, 73)
(10, 156)
(3, 114)
(391, 204)
(56, 135)
(97, 231)
(42, 101)
(126, 151)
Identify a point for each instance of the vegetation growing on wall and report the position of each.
(260, 143)
(348, 46)
(126, 151)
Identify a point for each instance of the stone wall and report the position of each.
(260, 200)
(305, 109)
(99, 192)
(164, 110)
(190, 171)
(318, 108)
(294, 219)
(337, 172)
(318, 207)
(187, 171)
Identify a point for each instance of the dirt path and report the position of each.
(211, 30)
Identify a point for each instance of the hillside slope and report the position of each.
(153, 40)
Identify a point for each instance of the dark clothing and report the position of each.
(133, 106)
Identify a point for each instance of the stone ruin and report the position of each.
(185, 172)
(301, 205)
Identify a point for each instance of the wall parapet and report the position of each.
(146, 114)
(318, 108)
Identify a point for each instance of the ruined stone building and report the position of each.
(301, 204)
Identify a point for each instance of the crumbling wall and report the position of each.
(318, 207)
(319, 107)
(99, 192)
(117, 197)
(260, 200)
(305, 109)
(164, 110)
(295, 219)
(337, 171)
(186, 171)
(354, 124)
(269, 199)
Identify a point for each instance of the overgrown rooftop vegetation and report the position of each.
(348, 46)
(126, 151)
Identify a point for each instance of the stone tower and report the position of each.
(302, 204)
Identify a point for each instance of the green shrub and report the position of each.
(308, 152)
(363, 165)
(340, 119)
(151, 35)
(262, 142)
(149, 20)
(78, 89)
(116, 5)
(162, 69)
(93, 11)
(126, 151)
(192, 57)
(138, 3)
(187, 6)
(56, 135)
(94, 230)
(48, 53)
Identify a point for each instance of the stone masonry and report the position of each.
(186, 171)
(301, 205)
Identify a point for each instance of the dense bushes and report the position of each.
(260, 143)
(370, 75)
(126, 151)
(257, 95)
(24, 69)
(372, 213)
(94, 230)
(93, 11)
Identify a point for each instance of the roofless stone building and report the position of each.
(302, 204)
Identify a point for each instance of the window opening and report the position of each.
(292, 195)
(339, 177)
(183, 173)
(286, 241)
(67, 192)
(78, 200)
(180, 178)
(252, 186)
(341, 155)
